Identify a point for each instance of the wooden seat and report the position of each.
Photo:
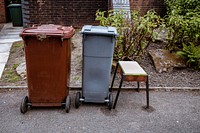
(131, 71)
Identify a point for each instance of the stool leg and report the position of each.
(147, 91)
(119, 89)
(114, 77)
(138, 86)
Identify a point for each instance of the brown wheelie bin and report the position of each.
(48, 56)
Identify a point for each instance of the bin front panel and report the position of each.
(48, 69)
(98, 46)
(96, 75)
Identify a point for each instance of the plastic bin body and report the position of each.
(48, 58)
(16, 14)
(98, 48)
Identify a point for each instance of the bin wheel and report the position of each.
(24, 105)
(110, 103)
(67, 104)
(77, 100)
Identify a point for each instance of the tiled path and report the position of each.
(8, 35)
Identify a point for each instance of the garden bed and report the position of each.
(185, 77)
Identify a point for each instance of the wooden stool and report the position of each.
(131, 71)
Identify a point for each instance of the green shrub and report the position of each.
(182, 22)
(135, 33)
(183, 25)
(191, 53)
(182, 7)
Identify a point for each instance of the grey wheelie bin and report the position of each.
(98, 47)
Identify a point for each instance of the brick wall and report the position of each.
(65, 12)
(145, 5)
(2, 12)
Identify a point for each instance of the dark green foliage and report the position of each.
(182, 7)
(183, 25)
(191, 53)
(182, 22)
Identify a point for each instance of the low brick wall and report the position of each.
(2, 12)
(144, 5)
(65, 12)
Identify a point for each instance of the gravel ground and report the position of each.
(171, 112)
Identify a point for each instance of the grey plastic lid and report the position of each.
(100, 30)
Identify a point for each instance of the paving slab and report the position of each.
(5, 47)
(14, 33)
(10, 40)
(3, 57)
(3, 60)
(2, 66)
(10, 36)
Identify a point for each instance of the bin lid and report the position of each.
(14, 5)
(101, 30)
(49, 30)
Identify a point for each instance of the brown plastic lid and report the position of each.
(49, 30)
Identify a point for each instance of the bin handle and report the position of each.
(22, 34)
(41, 37)
(88, 28)
(110, 29)
(62, 38)
(63, 30)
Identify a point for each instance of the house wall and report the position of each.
(2, 12)
(65, 12)
(144, 5)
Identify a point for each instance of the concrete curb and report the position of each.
(124, 88)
